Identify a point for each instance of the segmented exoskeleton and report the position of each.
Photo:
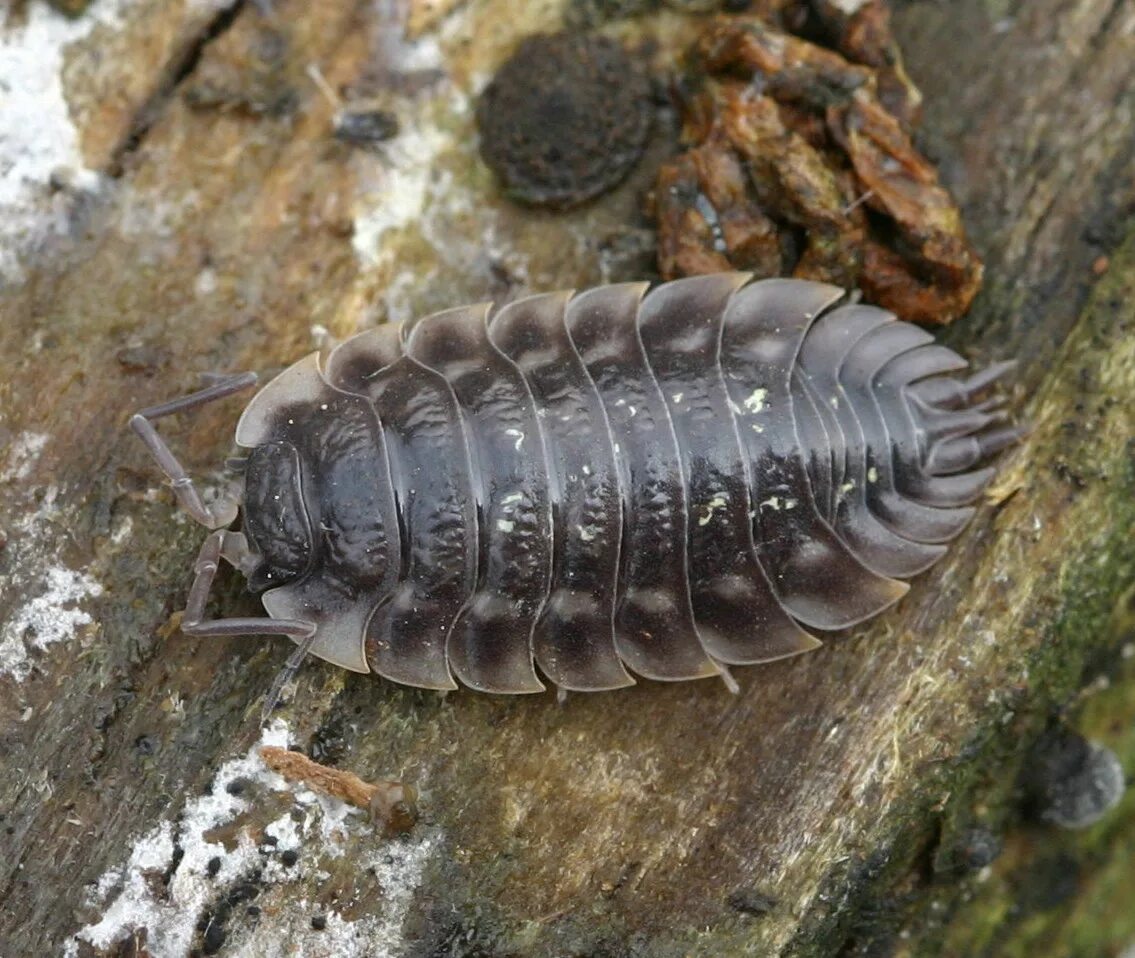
(590, 486)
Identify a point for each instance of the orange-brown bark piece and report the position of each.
(797, 165)
(943, 273)
(862, 33)
(390, 803)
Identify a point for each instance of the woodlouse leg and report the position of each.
(284, 676)
(951, 394)
(234, 548)
(193, 621)
(727, 678)
(223, 512)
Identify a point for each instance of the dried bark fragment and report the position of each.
(791, 70)
(697, 239)
(798, 185)
(940, 273)
(791, 146)
(390, 803)
(861, 31)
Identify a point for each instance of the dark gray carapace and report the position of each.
(585, 487)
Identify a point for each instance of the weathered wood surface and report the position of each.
(842, 785)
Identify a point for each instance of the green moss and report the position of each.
(925, 891)
(1061, 892)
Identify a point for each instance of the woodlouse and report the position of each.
(595, 485)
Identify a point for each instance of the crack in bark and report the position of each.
(180, 66)
(1108, 24)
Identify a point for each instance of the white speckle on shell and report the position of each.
(755, 402)
(717, 502)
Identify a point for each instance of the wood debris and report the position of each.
(800, 162)
(393, 804)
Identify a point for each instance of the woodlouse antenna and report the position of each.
(223, 543)
(224, 511)
(234, 548)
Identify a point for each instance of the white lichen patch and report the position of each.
(396, 187)
(123, 530)
(850, 7)
(22, 454)
(51, 616)
(398, 868)
(38, 139)
(205, 283)
(394, 193)
(209, 6)
(420, 212)
(179, 868)
(170, 918)
(43, 596)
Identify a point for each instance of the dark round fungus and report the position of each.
(214, 938)
(289, 857)
(319, 922)
(977, 848)
(329, 743)
(564, 119)
(365, 126)
(1073, 782)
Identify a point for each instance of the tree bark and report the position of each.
(851, 801)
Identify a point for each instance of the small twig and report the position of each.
(391, 803)
(320, 81)
(856, 203)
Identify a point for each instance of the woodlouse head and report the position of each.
(318, 496)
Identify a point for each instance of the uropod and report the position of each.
(586, 487)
